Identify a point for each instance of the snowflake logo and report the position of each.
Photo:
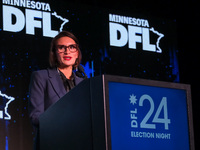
(133, 99)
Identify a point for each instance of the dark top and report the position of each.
(68, 83)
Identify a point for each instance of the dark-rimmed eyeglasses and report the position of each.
(63, 48)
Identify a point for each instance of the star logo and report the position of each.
(133, 99)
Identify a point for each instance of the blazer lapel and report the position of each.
(56, 82)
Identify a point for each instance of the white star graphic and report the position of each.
(133, 99)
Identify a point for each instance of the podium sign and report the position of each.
(148, 115)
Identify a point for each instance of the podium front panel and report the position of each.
(143, 114)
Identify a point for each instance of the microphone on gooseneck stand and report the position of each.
(80, 72)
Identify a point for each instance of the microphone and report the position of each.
(80, 72)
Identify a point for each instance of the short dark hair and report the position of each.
(53, 62)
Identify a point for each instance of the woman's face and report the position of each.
(67, 52)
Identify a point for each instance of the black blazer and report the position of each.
(46, 88)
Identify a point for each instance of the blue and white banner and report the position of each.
(147, 117)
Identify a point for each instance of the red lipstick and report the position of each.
(67, 57)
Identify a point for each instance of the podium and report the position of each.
(120, 113)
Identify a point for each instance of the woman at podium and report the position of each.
(49, 85)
